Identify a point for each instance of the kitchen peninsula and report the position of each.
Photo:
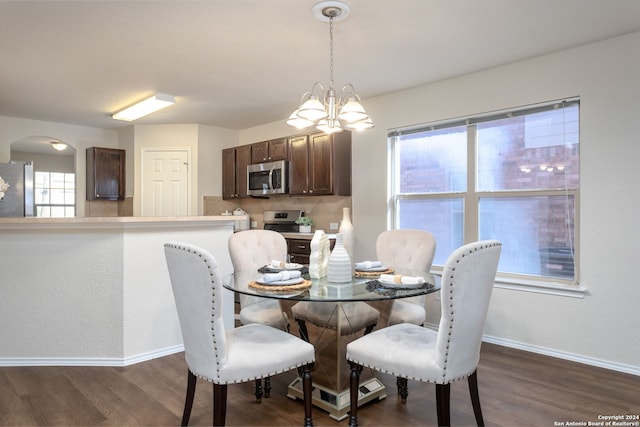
(96, 291)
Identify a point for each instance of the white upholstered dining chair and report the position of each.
(408, 249)
(450, 354)
(222, 356)
(250, 250)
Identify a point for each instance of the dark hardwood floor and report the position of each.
(516, 389)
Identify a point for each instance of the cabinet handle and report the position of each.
(301, 247)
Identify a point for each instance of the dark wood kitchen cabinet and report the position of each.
(320, 164)
(105, 173)
(234, 171)
(269, 151)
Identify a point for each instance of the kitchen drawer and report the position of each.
(299, 246)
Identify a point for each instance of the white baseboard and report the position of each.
(49, 361)
(606, 364)
(82, 361)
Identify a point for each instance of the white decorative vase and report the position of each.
(346, 229)
(304, 229)
(319, 256)
(339, 265)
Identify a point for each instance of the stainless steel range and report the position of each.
(282, 221)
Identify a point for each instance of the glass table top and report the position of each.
(358, 289)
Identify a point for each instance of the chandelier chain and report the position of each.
(331, 51)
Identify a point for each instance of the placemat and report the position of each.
(305, 284)
(373, 274)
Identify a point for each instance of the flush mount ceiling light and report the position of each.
(327, 112)
(145, 107)
(60, 146)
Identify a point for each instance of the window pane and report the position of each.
(441, 217)
(57, 196)
(57, 211)
(432, 162)
(537, 233)
(41, 196)
(42, 180)
(69, 196)
(529, 152)
(43, 211)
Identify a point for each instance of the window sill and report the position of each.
(536, 286)
(541, 287)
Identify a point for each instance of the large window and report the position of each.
(511, 176)
(55, 194)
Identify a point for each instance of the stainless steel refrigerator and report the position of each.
(17, 186)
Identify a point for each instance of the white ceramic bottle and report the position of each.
(339, 266)
(346, 229)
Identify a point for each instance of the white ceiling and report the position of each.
(242, 63)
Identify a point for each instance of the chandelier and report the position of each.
(328, 112)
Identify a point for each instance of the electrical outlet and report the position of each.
(333, 226)
(254, 224)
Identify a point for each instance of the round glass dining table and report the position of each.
(330, 376)
(322, 290)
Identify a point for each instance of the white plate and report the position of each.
(294, 281)
(372, 269)
(281, 294)
(278, 269)
(394, 285)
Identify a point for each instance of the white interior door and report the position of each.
(165, 182)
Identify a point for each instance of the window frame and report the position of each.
(471, 199)
(65, 206)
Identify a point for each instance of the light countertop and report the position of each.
(20, 222)
(304, 236)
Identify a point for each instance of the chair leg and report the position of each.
(443, 397)
(369, 328)
(188, 401)
(354, 386)
(302, 328)
(307, 389)
(403, 389)
(267, 387)
(258, 391)
(475, 398)
(219, 404)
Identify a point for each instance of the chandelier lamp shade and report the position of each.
(145, 107)
(330, 112)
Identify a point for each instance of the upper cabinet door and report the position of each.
(298, 165)
(320, 164)
(269, 151)
(105, 173)
(234, 171)
(278, 149)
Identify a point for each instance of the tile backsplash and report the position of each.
(323, 209)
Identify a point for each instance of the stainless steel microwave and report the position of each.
(264, 179)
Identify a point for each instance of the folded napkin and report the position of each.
(401, 280)
(368, 264)
(281, 276)
(286, 265)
